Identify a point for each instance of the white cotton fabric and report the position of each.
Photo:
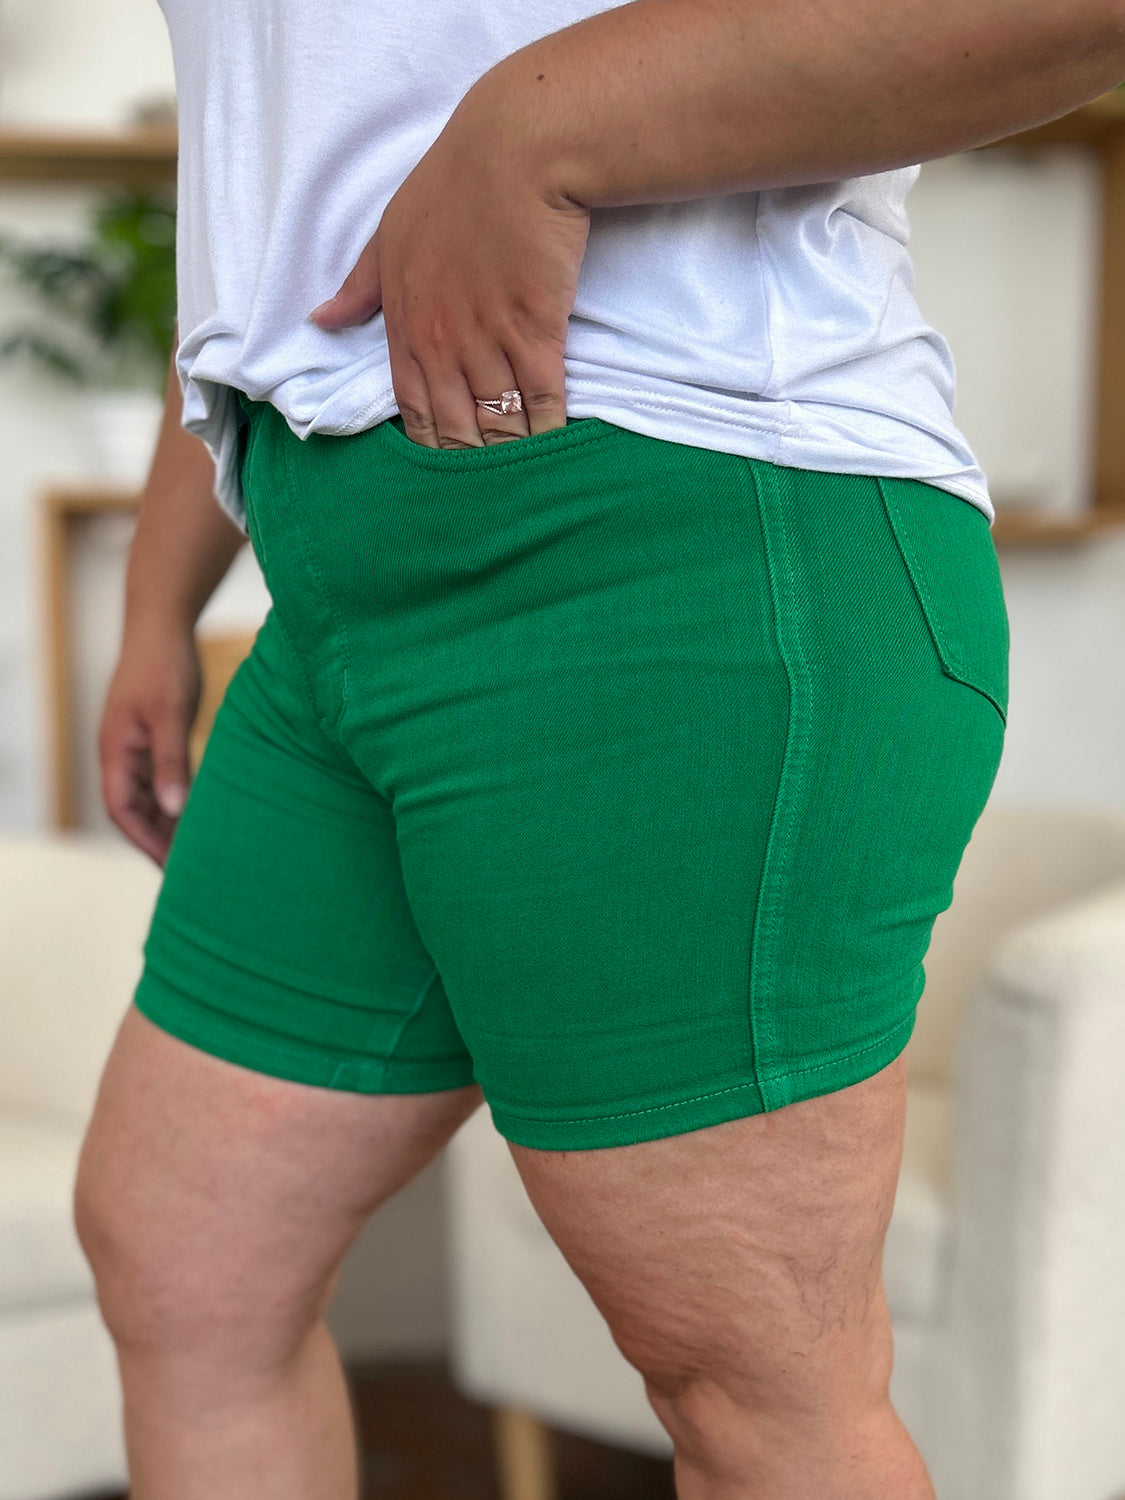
(779, 324)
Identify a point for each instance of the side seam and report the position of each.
(253, 439)
(414, 1010)
(339, 632)
(776, 863)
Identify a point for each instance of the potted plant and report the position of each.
(106, 321)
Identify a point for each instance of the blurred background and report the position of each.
(478, 1365)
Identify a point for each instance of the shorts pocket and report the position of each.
(578, 431)
(947, 547)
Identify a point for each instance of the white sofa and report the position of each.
(1005, 1259)
(74, 908)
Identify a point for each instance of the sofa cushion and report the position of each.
(41, 1260)
(916, 1251)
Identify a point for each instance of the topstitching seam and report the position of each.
(921, 581)
(296, 1052)
(306, 683)
(875, 1046)
(337, 620)
(764, 941)
(406, 1020)
(953, 663)
(255, 424)
(781, 427)
(455, 459)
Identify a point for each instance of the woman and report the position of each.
(636, 675)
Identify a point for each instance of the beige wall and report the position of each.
(80, 62)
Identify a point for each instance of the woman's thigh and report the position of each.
(215, 1202)
(743, 1259)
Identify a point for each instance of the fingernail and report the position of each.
(172, 799)
(323, 307)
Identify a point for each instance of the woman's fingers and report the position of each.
(476, 273)
(437, 400)
(143, 733)
(128, 796)
(488, 374)
(439, 405)
(360, 295)
(539, 372)
(412, 393)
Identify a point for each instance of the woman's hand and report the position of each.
(143, 735)
(475, 265)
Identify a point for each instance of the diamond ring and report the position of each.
(506, 402)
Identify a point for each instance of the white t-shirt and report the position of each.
(779, 324)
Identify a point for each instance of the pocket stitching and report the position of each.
(953, 664)
(499, 453)
(255, 422)
(251, 429)
(335, 617)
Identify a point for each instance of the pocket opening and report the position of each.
(946, 546)
(249, 432)
(577, 430)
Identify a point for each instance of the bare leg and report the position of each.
(739, 1268)
(214, 1205)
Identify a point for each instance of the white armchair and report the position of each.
(1005, 1258)
(74, 909)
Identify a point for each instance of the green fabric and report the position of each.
(624, 777)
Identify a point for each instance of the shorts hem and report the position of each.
(681, 1115)
(320, 1068)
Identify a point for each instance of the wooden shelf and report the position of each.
(63, 508)
(92, 497)
(140, 158)
(1015, 529)
(1089, 125)
(149, 154)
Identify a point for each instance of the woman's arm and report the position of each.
(476, 259)
(182, 546)
(669, 99)
(184, 543)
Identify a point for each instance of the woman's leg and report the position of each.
(739, 1268)
(288, 1062)
(214, 1205)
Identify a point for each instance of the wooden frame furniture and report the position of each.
(1100, 124)
(62, 509)
(142, 157)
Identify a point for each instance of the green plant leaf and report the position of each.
(118, 289)
(52, 355)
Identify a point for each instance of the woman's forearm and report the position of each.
(669, 99)
(184, 543)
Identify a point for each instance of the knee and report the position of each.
(175, 1286)
(702, 1372)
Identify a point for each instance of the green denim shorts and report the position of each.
(622, 777)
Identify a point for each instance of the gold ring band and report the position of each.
(507, 401)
